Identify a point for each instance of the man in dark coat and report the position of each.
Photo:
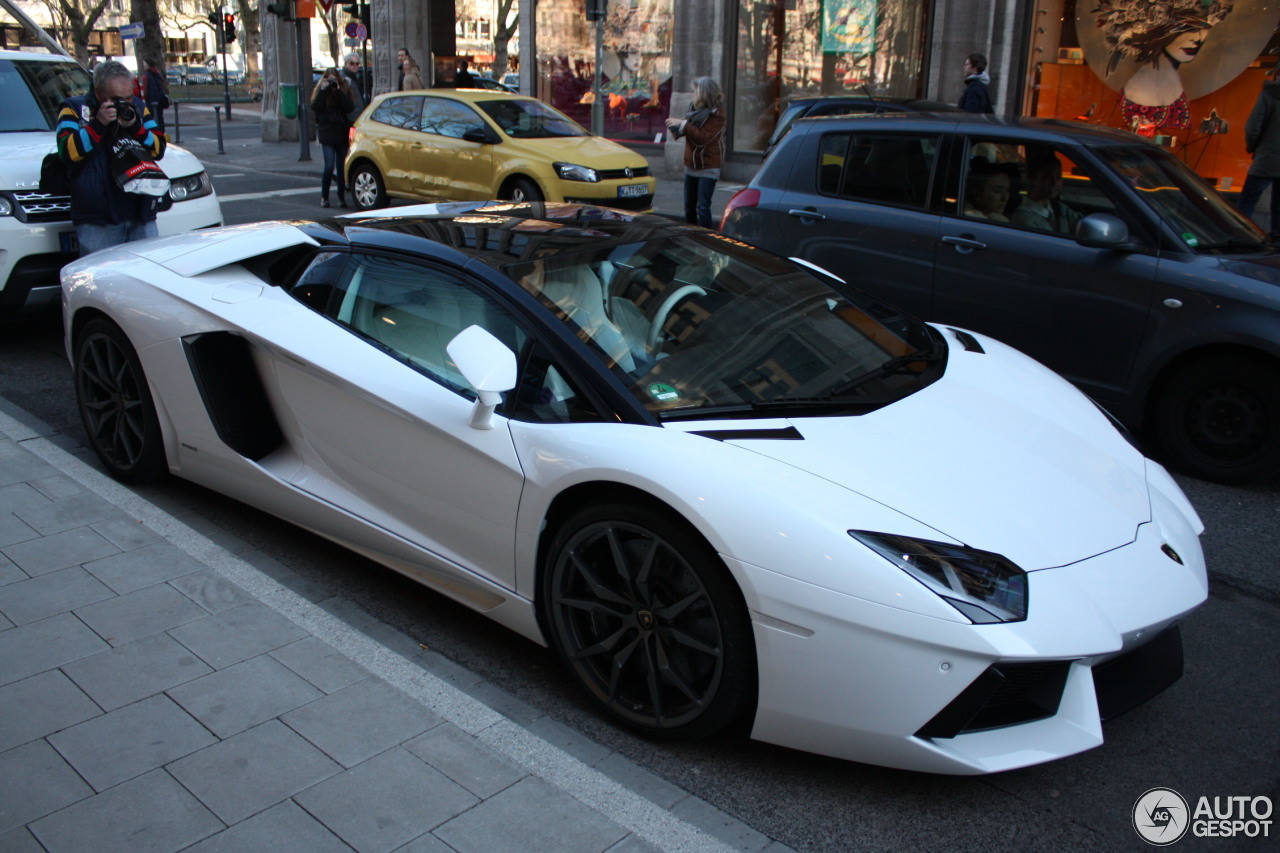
(88, 126)
(976, 97)
(1262, 140)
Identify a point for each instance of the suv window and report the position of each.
(31, 92)
(885, 168)
(447, 118)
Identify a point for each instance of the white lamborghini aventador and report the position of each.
(724, 487)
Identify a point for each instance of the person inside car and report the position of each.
(1043, 208)
(987, 192)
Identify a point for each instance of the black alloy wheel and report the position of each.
(1219, 419)
(646, 616)
(116, 406)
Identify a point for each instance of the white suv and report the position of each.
(36, 235)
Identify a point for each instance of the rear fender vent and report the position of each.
(233, 395)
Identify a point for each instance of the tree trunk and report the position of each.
(151, 45)
(252, 43)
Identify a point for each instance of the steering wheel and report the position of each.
(660, 316)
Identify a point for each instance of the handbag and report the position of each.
(134, 169)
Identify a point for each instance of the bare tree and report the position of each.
(252, 43)
(151, 45)
(77, 19)
(506, 22)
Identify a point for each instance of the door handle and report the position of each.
(807, 213)
(964, 245)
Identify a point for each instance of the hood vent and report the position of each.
(783, 434)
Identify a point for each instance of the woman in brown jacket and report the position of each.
(703, 132)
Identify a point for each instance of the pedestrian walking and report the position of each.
(88, 128)
(411, 77)
(331, 104)
(976, 97)
(401, 55)
(1262, 140)
(703, 132)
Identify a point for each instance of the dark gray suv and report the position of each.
(1091, 249)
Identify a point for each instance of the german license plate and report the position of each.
(68, 243)
(633, 190)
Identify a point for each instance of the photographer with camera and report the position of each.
(332, 104)
(89, 127)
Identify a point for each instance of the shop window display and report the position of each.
(636, 68)
(797, 48)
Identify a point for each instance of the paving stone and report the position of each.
(239, 697)
(56, 487)
(211, 590)
(121, 676)
(56, 516)
(321, 664)
(126, 533)
(558, 734)
(543, 817)
(279, 828)
(5, 624)
(14, 530)
(10, 573)
(130, 741)
(150, 814)
(652, 787)
(35, 781)
(48, 595)
(143, 567)
(386, 717)
(140, 614)
(633, 844)
(718, 824)
(386, 802)
(474, 765)
(40, 705)
(46, 644)
(21, 840)
(253, 771)
(18, 466)
(59, 551)
(237, 634)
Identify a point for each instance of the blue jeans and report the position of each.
(94, 237)
(697, 200)
(1250, 194)
(334, 157)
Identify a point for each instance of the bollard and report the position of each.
(217, 115)
(177, 124)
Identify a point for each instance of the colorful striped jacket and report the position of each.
(84, 145)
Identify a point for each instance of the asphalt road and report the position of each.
(1215, 733)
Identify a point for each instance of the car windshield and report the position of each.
(529, 119)
(1202, 218)
(32, 90)
(700, 325)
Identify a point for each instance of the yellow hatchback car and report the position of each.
(468, 144)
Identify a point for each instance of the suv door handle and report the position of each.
(807, 213)
(964, 245)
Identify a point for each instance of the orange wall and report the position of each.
(1067, 91)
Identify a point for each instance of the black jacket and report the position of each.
(976, 97)
(332, 108)
(84, 144)
(1262, 133)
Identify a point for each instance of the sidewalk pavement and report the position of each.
(160, 691)
(198, 134)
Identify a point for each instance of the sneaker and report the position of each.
(324, 202)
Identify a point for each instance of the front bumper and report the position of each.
(845, 677)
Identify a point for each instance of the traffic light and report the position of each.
(213, 19)
(359, 11)
(229, 29)
(283, 10)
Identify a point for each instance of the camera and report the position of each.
(124, 110)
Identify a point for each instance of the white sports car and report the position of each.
(726, 488)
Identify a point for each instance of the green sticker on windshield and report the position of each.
(1190, 239)
(658, 391)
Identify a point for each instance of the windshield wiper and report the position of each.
(897, 364)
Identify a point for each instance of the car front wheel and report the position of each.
(115, 404)
(1219, 419)
(367, 188)
(522, 190)
(645, 615)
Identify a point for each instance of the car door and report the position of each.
(396, 131)
(857, 204)
(1007, 273)
(381, 413)
(445, 165)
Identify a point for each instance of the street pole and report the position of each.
(304, 92)
(597, 105)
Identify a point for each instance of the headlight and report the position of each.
(192, 186)
(985, 587)
(6, 206)
(571, 172)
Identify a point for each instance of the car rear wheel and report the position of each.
(1219, 419)
(367, 188)
(116, 406)
(523, 189)
(645, 615)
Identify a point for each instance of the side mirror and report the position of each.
(480, 134)
(1102, 231)
(488, 366)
